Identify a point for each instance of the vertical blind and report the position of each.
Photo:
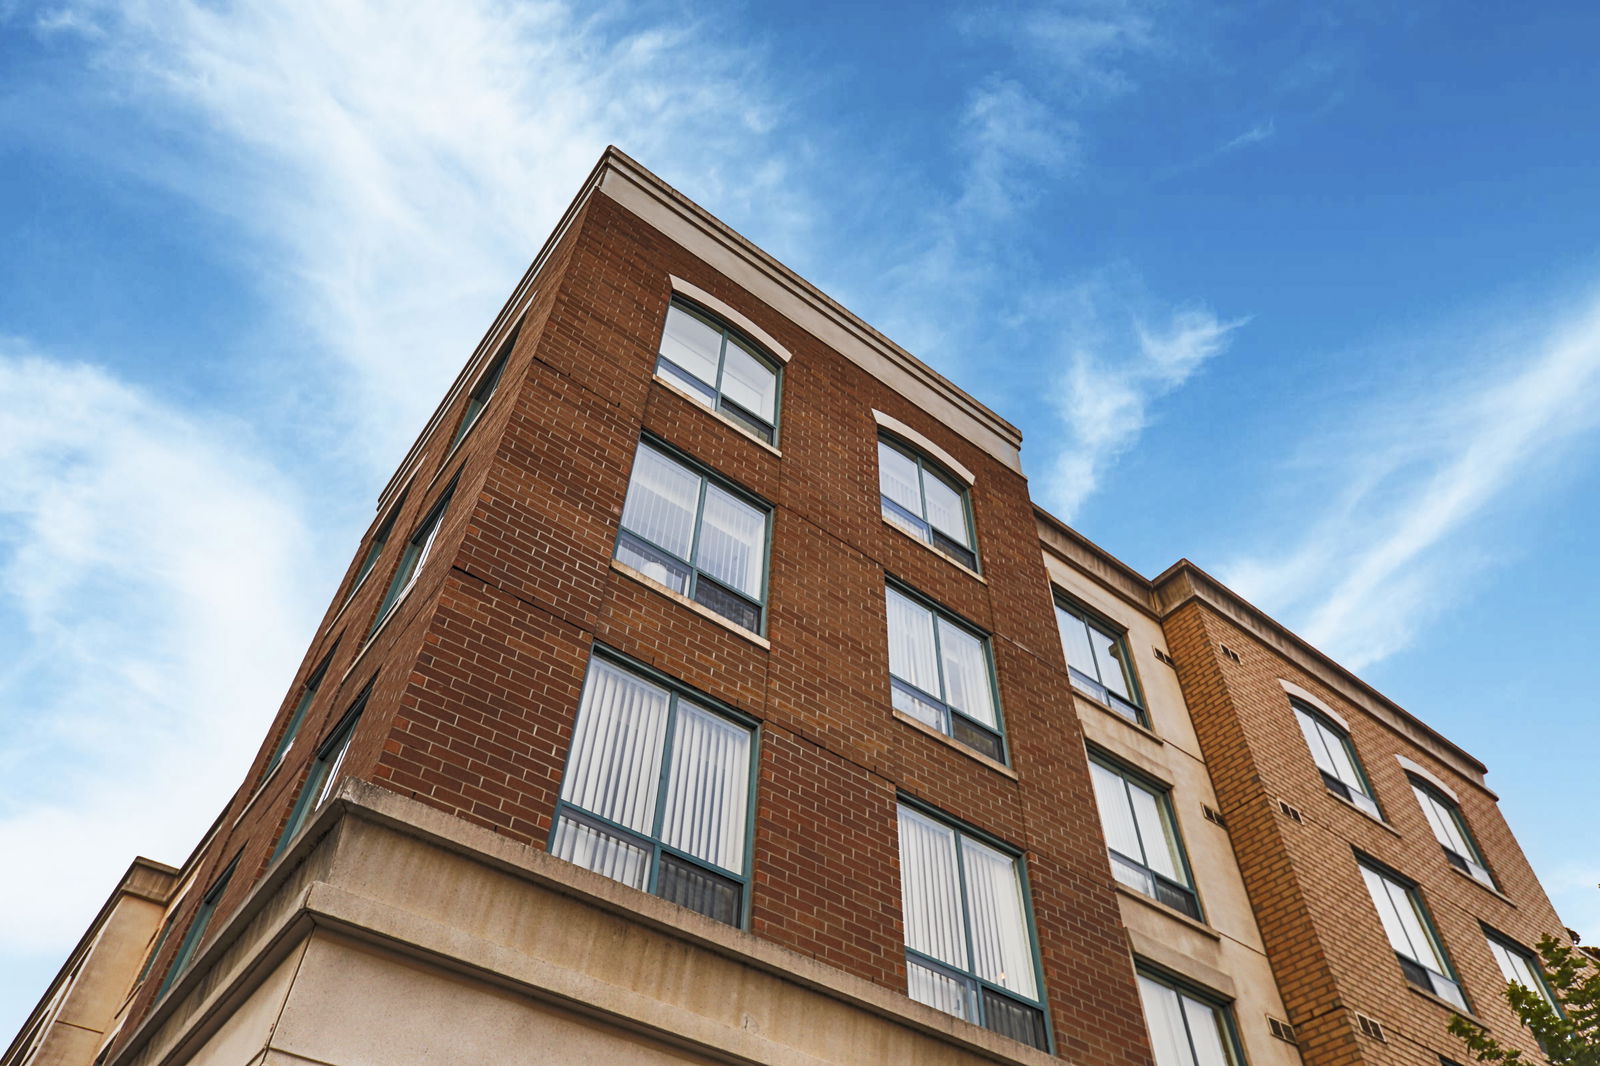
(1402, 921)
(1518, 968)
(946, 512)
(1184, 1031)
(916, 656)
(966, 674)
(732, 542)
(663, 497)
(899, 479)
(911, 646)
(615, 766)
(1134, 822)
(708, 788)
(1003, 952)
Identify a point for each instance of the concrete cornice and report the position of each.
(1084, 555)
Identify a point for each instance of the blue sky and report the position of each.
(1309, 294)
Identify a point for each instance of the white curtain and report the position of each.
(708, 788)
(911, 649)
(1000, 943)
(692, 344)
(1075, 644)
(930, 891)
(1160, 852)
(732, 542)
(1442, 819)
(1401, 921)
(604, 853)
(946, 513)
(615, 766)
(1116, 817)
(663, 497)
(1163, 1015)
(749, 382)
(1207, 1032)
(966, 674)
(1108, 656)
(899, 479)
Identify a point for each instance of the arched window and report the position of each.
(720, 368)
(925, 501)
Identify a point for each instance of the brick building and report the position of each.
(709, 689)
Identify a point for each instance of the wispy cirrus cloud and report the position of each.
(1404, 488)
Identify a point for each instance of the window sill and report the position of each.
(1495, 892)
(698, 608)
(951, 742)
(963, 567)
(372, 638)
(700, 403)
(348, 598)
(1138, 727)
(1171, 912)
(1368, 815)
(261, 788)
(1446, 1004)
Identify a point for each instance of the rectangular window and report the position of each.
(1411, 934)
(721, 369)
(1098, 660)
(485, 387)
(412, 560)
(969, 938)
(696, 535)
(1186, 1029)
(1336, 758)
(926, 502)
(1146, 854)
(308, 695)
(1450, 829)
(197, 929)
(657, 793)
(941, 674)
(380, 537)
(1520, 967)
(324, 774)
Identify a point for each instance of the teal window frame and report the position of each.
(629, 540)
(1231, 1044)
(1471, 863)
(1497, 939)
(375, 546)
(652, 843)
(1130, 707)
(711, 392)
(197, 928)
(419, 546)
(968, 977)
(1359, 793)
(485, 389)
(919, 525)
(1445, 985)
(956, 725)
(308, 696)
(323, 774)
(1179, 895)
(155, 950)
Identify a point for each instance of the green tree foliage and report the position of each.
(1569, 1035)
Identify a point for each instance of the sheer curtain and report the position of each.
(946, 512)
(930, 892)
(662, 500)
(911, 655)
(708, 788)
(615, 765)
(1163, 1014)
(999, 919)
(732, 539)
(692, 344)
(899, 479)
(966, 674)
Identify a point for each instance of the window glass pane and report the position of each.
(966, 674)
(605, 852)
(1207, 1032)
(1164, 1016)
(1344, 761)
(732, 542)
(692, 344)
(1518, 968)
(946, 511)
(615, 765)
(1116, 816)
(654, 563)
(911, 648)
(930, 890)
(1000, 943)
(662, 500)
(1075, 643)
(1108, 655)
(749, 382)
(1319, 749)
(1159, 853)
(708, 788)
(940, 991)
(1445, 823)
(1393, 927)
(332, 762)
(1410, 910)
(898, 478)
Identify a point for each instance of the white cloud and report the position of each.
(1382, 555)
(1119, 363)
(151, 566)
(1014, 141)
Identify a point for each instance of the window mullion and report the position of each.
(938, 666)
(667, 744)
(1188, 1032)
(966, 926)
(694, 542)
(1133, 816)
(722, 363)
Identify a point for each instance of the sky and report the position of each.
(1307, 293)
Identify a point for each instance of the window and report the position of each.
(657, 793)
(416, 553)
(1186, 1028)
(324, 774)
(1336, 759)
(721, 369)
(969, 939)
(197, 928)
(1520, 967)
(1098, 660)
(925, 502)
(1411, 934)
(308, 694)
(485, 387)
(1450, 829)
(380, 537)
(940, 674)
(696, 535)
(1146, 854)
(161, 942)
